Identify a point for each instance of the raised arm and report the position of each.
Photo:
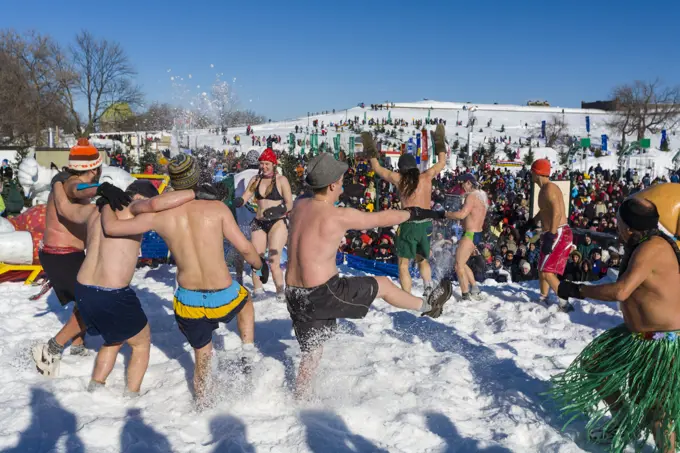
(372, 152)
(72, 192)
(440, 149)
(463, 212)
(353, 219)
(163, 202)
(286, 193)
(233, 234)
(113, 226)
(73, 212)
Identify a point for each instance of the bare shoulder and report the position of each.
(656, 251)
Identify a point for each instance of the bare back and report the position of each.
(422, 197)
(551, 206)
(313, 239)
(655, 305)
(59, 232)
(194, 234)
(110, 262)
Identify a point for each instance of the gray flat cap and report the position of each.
(323, 170)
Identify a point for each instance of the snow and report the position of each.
(471, 380)
(520, 122)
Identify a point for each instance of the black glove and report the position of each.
(61, 177)
(275, 212)
(440, 139)
(117, 198)
(547, 241)
(206, 192)
(263, 272)
(424, 214)
(568, 289)
(101, 202)
(369, 145)
(238, 202)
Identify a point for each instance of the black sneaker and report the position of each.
(438, 297)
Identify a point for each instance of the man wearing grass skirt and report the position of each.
(635, 367)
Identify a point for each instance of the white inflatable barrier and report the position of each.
(16, 247)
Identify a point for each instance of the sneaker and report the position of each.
(79, 350)
(46, 363)
(544, 301)
(257, 293)
(465, 296)
(428, 290)
(565, 306)
(281, 297)
(438, 297)
(475, 293)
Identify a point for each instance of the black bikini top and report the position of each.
(274, 195)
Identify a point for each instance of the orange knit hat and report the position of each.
(84, 156)
(541, 167)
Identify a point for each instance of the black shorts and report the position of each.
(114, 313)
(62, 271)
(314, 310)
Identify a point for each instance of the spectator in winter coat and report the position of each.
(573, 268)
(614, 260)
(525, 272)
(586, 272)
(533, 254)
(599, 268)
(497, 272)
(586, 247)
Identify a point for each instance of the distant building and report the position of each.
(609, 106)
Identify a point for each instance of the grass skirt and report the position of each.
(639, 370)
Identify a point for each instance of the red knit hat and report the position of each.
(84, 156)
(268, 155)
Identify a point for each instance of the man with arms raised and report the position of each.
(195, 234)
(315, 293)
(472, 214)
(103, 294)
(557, 239)
(415, 190)
(62, 252)
(634, 367)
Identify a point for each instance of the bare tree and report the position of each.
(104, 79)
(30, 91)
(645, 107)
(555, 130)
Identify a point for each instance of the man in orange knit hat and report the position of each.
(62, 252)
(557, 239)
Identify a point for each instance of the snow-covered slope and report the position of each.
(470, 381)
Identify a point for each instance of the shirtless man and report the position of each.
(472, 214)
(557, 239)
(195, 234)
(415, 190)
(315, 293)
(62, 252)
(634, 366)
(105, 300)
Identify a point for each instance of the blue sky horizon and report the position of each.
(287, 58)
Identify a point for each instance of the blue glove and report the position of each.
(547, 242)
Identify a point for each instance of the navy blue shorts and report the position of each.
(114, 313)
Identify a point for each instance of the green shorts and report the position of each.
(413, 238)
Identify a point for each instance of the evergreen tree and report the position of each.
(288, 164)
(529, 157)
(665, 145)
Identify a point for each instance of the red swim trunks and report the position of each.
(555, 261)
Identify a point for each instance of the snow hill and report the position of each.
(469, 381)
(519, 123)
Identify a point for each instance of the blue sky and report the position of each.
(289, 57)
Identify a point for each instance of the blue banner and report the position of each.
(604, 142)
(663, 136)
(543, 129)
(588, 124)
(418, 149)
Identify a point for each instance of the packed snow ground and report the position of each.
(469, 381)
